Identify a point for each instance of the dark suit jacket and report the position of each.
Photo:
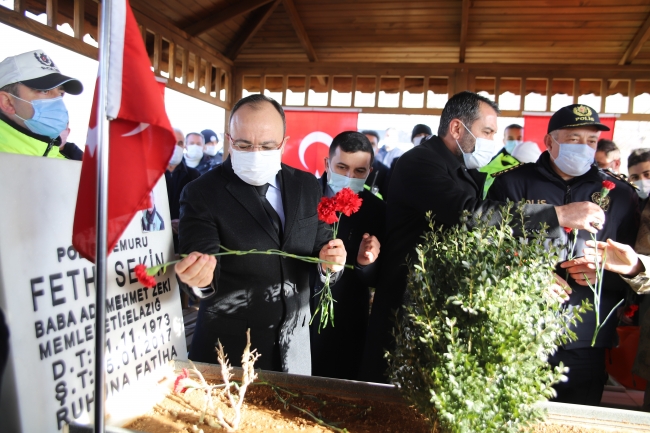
(176, 181)
(336, 351)
(266, 293)
(378, 178)
(426, 178)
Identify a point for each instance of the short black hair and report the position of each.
(638, 156)
(463, 106)
(351, 142)
(371, 132)
(606, 146)
(515, 126)
(254, 101)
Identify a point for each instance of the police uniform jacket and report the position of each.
(266, 293)
(427, 178)
(337, 350)
(539, 183)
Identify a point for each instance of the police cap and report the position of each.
(575, 116)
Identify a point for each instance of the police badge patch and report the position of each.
(595, 197)
(582, 111)
(44, 60)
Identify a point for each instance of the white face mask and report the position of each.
(574, 159)
(484, 151)
(177, 156)
(210, 150)
(644, 187)
(194, 151)
(337, 182)
(256, 168)
(418, 140)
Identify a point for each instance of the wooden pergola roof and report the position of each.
(573, 47)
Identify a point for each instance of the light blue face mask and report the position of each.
(510, 145)
(50, 117)
(337, 182)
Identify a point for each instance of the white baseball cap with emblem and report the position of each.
(35, 69)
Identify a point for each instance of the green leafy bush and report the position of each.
(473, 339)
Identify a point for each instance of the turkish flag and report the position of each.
(310, 135)
(536, 125)
(141, 138)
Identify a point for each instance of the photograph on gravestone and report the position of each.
(47, 294)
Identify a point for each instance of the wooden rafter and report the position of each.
(290, 7)
(637, 43)
(224, 14)
(249, 30)
(464, 23)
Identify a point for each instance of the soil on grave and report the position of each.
(263, 411)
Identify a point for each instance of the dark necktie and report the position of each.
(272, 214)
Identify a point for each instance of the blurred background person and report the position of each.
(420, 133)
(213, 151)
(377, 179)
(608, 156)
(638, 167)
(177, 175)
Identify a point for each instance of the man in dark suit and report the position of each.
(336, 351)
(252, 201)
(440, 176)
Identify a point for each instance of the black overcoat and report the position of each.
(266, 293)
(426, 178)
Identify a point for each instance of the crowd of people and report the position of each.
(248, 199)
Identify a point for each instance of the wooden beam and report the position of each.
(52, 10)
(637, 42)
(148, 16)
(157, 53)
(21, 22)
(79, 18)
(171, 63)
(290, 7)
(630, 96)
(20, 6)
(222, 15)
(248, 31)
(603, 94)
(464, 23)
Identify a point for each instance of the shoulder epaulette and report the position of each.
(619, 176)
(514, 167)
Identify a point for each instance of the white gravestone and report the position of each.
(47, 293)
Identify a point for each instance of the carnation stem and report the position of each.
(153, 270)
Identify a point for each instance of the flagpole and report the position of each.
(102, 216)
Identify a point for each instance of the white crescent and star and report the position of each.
(311, 138)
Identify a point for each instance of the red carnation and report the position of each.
(178, 387)
(608, 185)
(143, 277)
(568, 229)
(630, 310)
(327, 210)
(347, 201)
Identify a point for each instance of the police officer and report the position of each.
(440, 176)
(32, 112)
(564, 174)
(512, 137)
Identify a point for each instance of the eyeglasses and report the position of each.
(248, 147)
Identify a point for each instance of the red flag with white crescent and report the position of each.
(311, 133)
(140, 136)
